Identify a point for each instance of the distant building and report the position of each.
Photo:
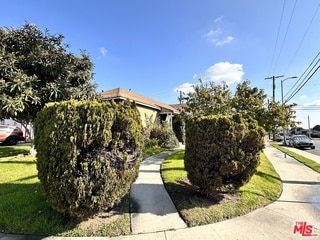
(150, 109)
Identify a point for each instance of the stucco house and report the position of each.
(150, 109)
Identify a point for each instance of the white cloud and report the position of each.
(223, 72)
(185, 88)
(220, 72)
(224, 41)
(103, 51)
(212, 34)
(216, 35)
(219, 19)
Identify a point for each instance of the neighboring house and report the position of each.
(150, 109)
(179, 106)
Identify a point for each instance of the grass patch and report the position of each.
(8, 151)
(147, 152)
(263, 188)
(24, 210)
(306, 161)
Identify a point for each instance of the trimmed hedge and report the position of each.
(164, 135)
(88, 154)
(222, 152)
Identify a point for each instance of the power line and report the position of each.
(302, 78)
(306, 78)
(302, 39)
(277, 38)
(308, 108)
(302, 84)
(285, 35)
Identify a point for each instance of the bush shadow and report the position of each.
(187, 196)
(9, 151)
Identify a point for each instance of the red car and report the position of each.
(10, 135)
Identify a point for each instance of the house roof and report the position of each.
(178, 106)
(123, 94)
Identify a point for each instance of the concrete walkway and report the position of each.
(299, 202)
(152, 209)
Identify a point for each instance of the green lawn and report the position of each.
(151, 151)
(23, 208)
(264, 187)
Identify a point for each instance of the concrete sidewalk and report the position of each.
(299, 202)
(152, 209)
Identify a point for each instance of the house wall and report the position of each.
(147, 114)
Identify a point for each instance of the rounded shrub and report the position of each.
(151, 143)
(88, 154)
(165, 136)
(222, 152)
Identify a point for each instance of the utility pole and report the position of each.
(274, 86)
(180, 97)
(309, 133)
(274, 95)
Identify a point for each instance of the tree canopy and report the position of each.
(317, 128)
(36, 68)
(209, 98)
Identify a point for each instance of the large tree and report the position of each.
(209, 98)
(279, 115)
(249, 101)
(36, 68)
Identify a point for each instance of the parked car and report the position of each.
(286, 140)
(278, 138)
(301, 141)
(10, 135)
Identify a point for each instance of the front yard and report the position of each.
(23, 208)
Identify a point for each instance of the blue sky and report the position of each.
(157, 48)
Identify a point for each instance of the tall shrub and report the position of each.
(222, 152)
(164, 135)
(88, 154)
(178, 125)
